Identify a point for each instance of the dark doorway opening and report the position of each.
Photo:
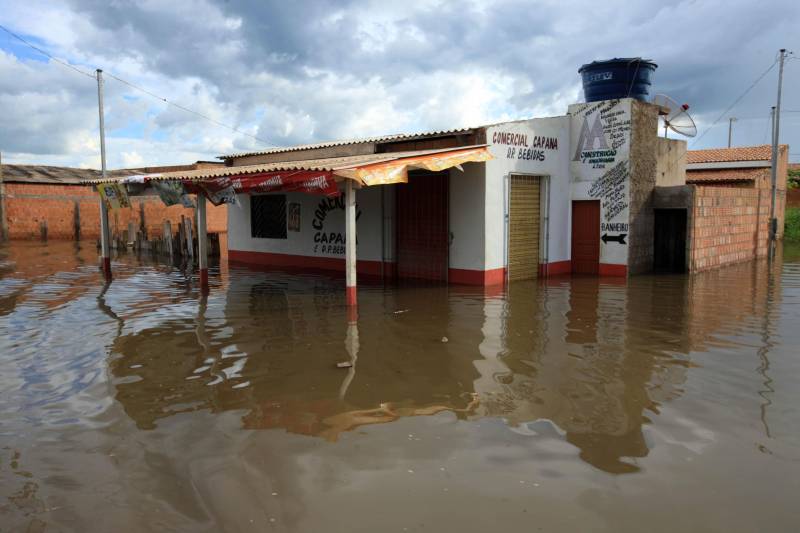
(669, 254)
(423, 226)
(586, 237)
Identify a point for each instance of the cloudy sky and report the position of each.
(302, 71)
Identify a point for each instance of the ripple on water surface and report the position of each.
(263, 404)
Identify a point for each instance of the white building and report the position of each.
(511, 217)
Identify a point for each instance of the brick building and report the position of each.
(720, 215)
(747, 167)
(44, 202)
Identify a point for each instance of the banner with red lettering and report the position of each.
(223, 190)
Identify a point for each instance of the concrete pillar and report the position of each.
(350, 243)
(202, 241)
(105, 240)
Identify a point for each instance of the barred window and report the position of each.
(268, 216)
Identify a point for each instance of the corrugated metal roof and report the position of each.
(329, 144)
(42, 174)
(723, 155)
(329, 164)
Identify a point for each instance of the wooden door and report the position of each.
(523, 228)
(586, 236)
(422, 226)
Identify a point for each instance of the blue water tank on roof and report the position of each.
(617, 78)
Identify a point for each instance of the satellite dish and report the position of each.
(675, 116)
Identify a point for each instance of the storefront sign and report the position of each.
(524, 147)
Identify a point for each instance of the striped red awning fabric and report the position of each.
(306, 181)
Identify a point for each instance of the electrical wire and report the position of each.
(187, 110)
(135, 87)
(739, 99)
(31, 45)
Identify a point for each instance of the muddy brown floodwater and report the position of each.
(667, 403)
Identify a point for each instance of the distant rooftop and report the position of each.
(725, 175)
(52, 175)
(730, 155)
(49, 175)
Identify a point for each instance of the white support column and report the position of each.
(202, 241)
(350, 242)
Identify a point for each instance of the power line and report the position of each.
(64, 63)
(136, 87)
(739, 99)
(187, 110)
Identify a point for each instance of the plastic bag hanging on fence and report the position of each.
(172, 193)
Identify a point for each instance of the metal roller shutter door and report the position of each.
(523, 234)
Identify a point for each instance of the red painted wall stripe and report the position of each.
(556, 268)
(460, 276)
(613, 270)
(369, 268)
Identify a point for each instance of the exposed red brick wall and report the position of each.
(728, 225)
(27, 205)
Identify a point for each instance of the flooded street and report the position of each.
(666, 403)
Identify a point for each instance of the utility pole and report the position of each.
(3, 226)
(105, 238)
(730, 129)
(773, 221)
(772, 131)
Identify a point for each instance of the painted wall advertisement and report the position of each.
(328, 224)
(600, 167)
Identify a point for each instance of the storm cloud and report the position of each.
(305, 71)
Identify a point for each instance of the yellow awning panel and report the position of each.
(396, 171)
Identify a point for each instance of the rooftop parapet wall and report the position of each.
(670, 162)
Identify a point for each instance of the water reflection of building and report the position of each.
(596, 359)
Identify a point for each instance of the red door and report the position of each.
(586, 237)
(422, 226)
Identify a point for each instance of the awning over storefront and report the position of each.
(396, 171)
(319, 176)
